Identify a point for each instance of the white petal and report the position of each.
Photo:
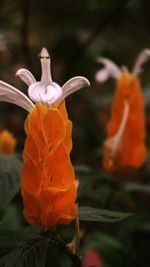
(54, 93)
(42, 97)
(142, 58)
(110, 70)
(114, 142)
(26, 76)
(10, 94)
(73, 85)
(35, 90)
(102, 75)
(41, 94)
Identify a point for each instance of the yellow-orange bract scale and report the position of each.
(132, 151)
(48, 183)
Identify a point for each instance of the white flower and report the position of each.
(44, 91)
(112, 70)
(47, 91)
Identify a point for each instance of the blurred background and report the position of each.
(76, 33)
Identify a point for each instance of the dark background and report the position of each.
(75, 34)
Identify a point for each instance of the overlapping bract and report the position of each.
(48, 180)
(131, 151)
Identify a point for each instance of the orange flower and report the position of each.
(48, 179)
(48, 183)
(125, 145)
(7, 143)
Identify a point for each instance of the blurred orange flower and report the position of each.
(7, 143)
(125, 146)
(48, 179)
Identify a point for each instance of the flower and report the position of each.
(125, 147)
(48, 179)
(48, 183)
(7, 143)
(46, 91)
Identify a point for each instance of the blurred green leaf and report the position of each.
(93, 180)
(101, 241)
(13, 218)
(137, 187)
(110, 248)
(9, 180)
(86, 171)
(100, 215)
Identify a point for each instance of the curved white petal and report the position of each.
(102, 75)
(41, 94)
(12, 95)
(142, 58)
(114, 142)
(26, 76)
(73, 85)
(110, 70)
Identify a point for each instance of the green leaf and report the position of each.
(31, 254)
(11, 259)
(100, 215)
(9, 180)
(10, 239)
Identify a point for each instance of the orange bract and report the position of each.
(48, 180)
(131, 151)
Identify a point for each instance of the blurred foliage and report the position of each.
(76, 33)
(9, 180)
